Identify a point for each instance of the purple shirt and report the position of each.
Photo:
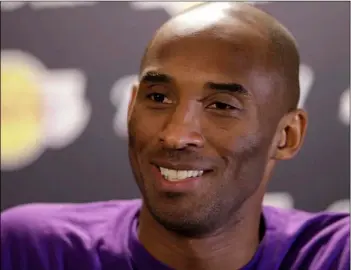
(103, 236)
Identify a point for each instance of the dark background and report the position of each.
(105, 41)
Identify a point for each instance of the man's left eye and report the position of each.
(221, 106)
(159, 98)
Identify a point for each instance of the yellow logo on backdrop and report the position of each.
(39, 108)
(21, 111)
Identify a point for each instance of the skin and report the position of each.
(183, 115)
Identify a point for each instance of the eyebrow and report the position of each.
(155, 77)
(229, 87)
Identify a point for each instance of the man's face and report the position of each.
(200, 113)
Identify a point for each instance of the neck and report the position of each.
(231, 248)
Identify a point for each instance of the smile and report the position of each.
(178, 175)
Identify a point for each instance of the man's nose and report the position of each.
(183, 129)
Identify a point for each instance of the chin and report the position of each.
(186, 226)
(186, 220)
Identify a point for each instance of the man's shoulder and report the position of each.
(60, 216)
(320, 240)
(294, 221)
(68, 229)
(299, 218)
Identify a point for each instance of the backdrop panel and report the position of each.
(66, 71)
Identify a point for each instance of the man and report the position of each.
(214, 110)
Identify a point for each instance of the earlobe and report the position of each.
(292, 135)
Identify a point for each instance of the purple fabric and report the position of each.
(102, 236)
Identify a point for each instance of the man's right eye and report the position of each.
(159, 98)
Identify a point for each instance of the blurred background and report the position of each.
(66, 72)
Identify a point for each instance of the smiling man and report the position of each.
(215, 108)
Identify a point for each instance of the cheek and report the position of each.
(142, 128)
(238, 148)
(250, 159)
(231, 138)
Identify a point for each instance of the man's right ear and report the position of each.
(132, 99)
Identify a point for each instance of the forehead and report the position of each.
(211, 55)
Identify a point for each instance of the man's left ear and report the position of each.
(290, 135)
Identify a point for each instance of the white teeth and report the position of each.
(182, 174)
(176, 175)
(189, 173)
(172, 174)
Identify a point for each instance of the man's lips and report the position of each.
(181, 166)
(185, 185)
